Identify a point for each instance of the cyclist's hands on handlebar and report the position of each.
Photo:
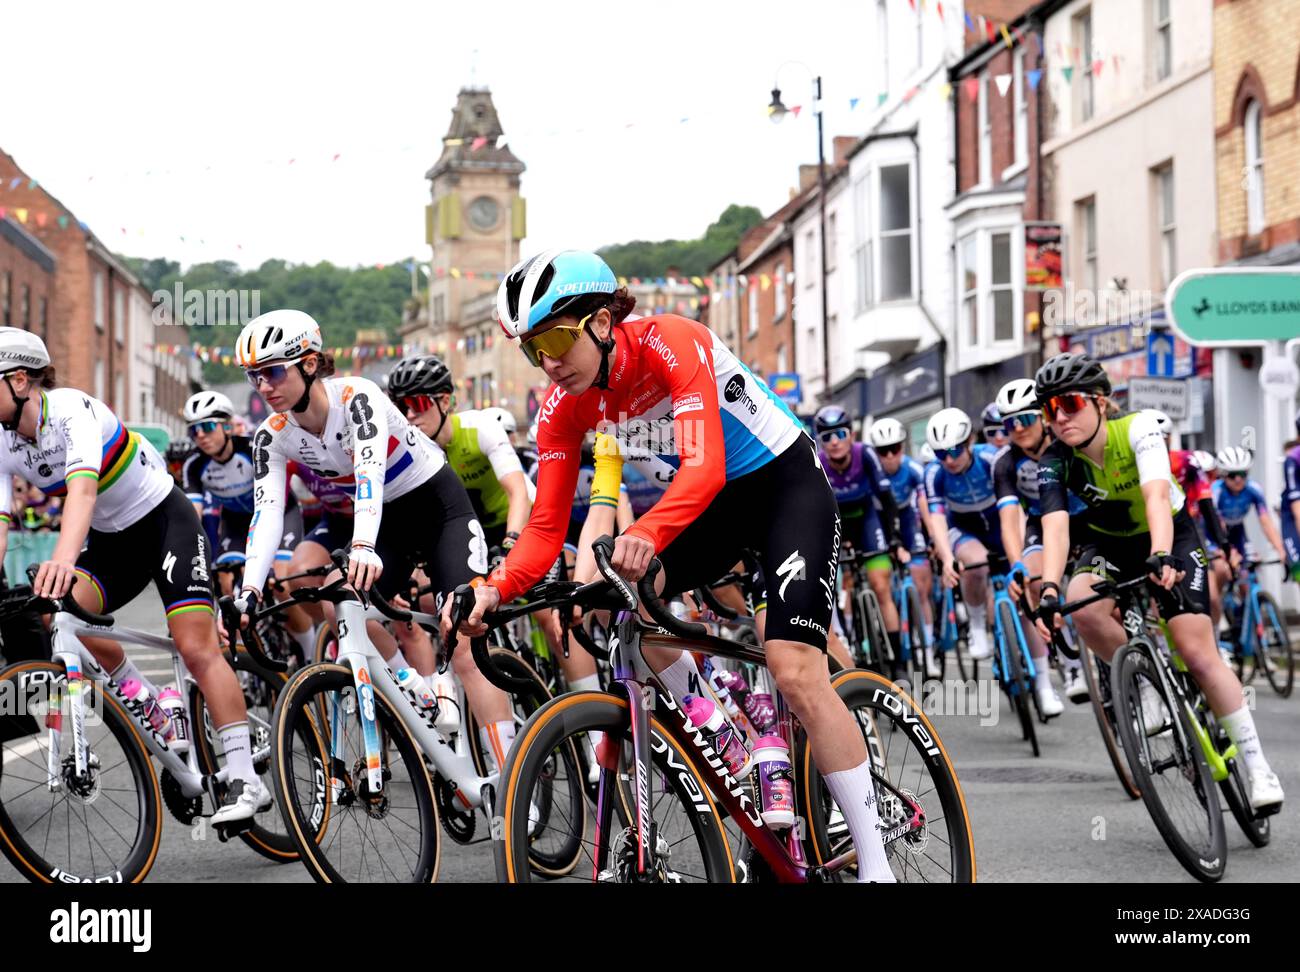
(632, 556)
(1165, 569)
(1047, 617)
(486, 598)
(364, 566)
(1016, 580)
(903, 554)
(54, 579)
(951, 578)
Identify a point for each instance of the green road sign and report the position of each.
(1234, 306)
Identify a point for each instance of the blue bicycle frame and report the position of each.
(1251, 622)
(901, 584)
(1001, 661)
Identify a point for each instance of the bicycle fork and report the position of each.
(353, 643)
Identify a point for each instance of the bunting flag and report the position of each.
(1097, 65)
(1003, 81)
(945, 91)
(853, 103)
(939, 7)
(1006, 37)
(478, 143)
(795, 109)
(1067, 72)
(990, 30)
(1034, 77)
(767, 281)
(970, 24)
(972, 86)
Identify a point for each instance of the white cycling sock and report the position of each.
(978, 617)
(1240, 726)
(496, 740)
(681, 677)
(239, 753)
(306, 641)
(128, 670)
(398, 661)
(1042, 675)
(855, 794)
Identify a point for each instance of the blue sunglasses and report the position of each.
(954, 453)
(1024, 420)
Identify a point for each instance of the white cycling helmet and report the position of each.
(276, 336)
(1017, 396)
(207, 405)
(21, 349)
(925, 453)
(505, 418)
(1204, 461)
(1162, 421)
(1234, 459)
(948, 429)
(887, 432)
(532, 434)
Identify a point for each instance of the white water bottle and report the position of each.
(170, 701)
(444, 690)
(413, 684)
(775, 782)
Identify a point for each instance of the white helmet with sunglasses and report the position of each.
(207, 405)
(1234, 460)
(948, 429)
(887, 432)
(270, 341)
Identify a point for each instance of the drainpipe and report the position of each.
(920, 287)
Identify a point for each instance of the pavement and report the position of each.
(1059, 817)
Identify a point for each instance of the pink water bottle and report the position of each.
(761, 710)
(726, 740)
(136, 692)
(775, 782)
(722, 689)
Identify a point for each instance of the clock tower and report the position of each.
(474, 222)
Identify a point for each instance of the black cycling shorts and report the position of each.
(786, 513)
(434, 527)
(1123, 558)
(332, 531)
(232, 535)
(167, 545)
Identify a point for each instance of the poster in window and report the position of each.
(1043, 256)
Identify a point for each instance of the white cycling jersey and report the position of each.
(367, 448)
(79, 436)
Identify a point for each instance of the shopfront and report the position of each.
(910, 390)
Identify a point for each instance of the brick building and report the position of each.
(27, 272)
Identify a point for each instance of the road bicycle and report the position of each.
(1257, 637)
(367, 804)
(864, 624)
(1176, 749)
(79, 797)
(916, 638)
(684, 796)
(951, 626)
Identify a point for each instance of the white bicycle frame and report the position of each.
(370, 673)
(77, 660)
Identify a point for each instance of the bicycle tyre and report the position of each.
(327, 644)
(916, 630)
(1204, 863)
(580, 712)
(271, 843)
(1097, 675)
(33, 864)
(1017, 684)
(296, 703)
(866, 692)
(1279, 670)
(875, 625)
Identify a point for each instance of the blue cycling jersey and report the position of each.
(968, 498)
(1234, 507)
(905, 481)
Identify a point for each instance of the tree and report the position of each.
(642, 258)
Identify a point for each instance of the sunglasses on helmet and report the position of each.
(554, 342)
(954, 453)
(1021, 420)
(274, 374)
(833, 435)
(206, 427)
(890, 450)
(1071, 403)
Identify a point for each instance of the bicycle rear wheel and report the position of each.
(1016, 682)
(912, 771)
(344, 831)
(916, 634)
(877, 638)
(1097, 674)
(268, 835)
(1174, 779)
(1236, 792)
(101, 826)
(689, 841)
(1273, 645)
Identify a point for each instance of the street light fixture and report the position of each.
(777, 111)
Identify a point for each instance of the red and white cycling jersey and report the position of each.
(675, 391)
(367, 448)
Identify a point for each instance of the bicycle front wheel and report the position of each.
(344, 831)
(1097, 674)
(689, 844)
(1016, 682)
(915, 783)
(1273, 643)
(1173, 777)
(102, 825)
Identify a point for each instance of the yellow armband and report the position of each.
(609, 471)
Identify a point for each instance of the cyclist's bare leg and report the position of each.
(1220, 579)
(488, 703)
(879, 579)
(1034, 564)
(1194, 636)
(307, 556)
(974, 583)
(923, 578)
(1096, 624)
(835, 647)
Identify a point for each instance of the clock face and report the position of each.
(483, 212)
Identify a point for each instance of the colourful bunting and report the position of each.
(1006, 36)
(1034, 77)
(21, 214)
(853, 103)
(1067, 72)
(972, 86)
(1003, 81)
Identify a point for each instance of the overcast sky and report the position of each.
(179, 119)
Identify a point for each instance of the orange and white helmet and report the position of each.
(277, 336)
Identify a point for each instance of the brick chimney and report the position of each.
(842, 146)
(807, 177)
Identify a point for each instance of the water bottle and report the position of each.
(136, 692)
(775, 782)
(444, 690)
(731, 688)
(761, 710)
(170, 701)
(726, 740)
(413, 684)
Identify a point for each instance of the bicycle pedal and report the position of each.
(1267, 811)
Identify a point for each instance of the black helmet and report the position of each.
(1070, 372)
(422, 374)
(178, 450)
(991, 419)
(831, 417)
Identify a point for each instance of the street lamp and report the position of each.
(777, 111)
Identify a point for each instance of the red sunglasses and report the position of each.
(1071, 403)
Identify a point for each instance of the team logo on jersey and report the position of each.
(735, 393)
(364, 488)
(693, 402)
(478, 552)
(1093, 494)
(168, 563)
(278, 421)
(792, 568)
(656, 344)
(45, 470)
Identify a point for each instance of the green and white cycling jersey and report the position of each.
(481, 454)
(1135, 454)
